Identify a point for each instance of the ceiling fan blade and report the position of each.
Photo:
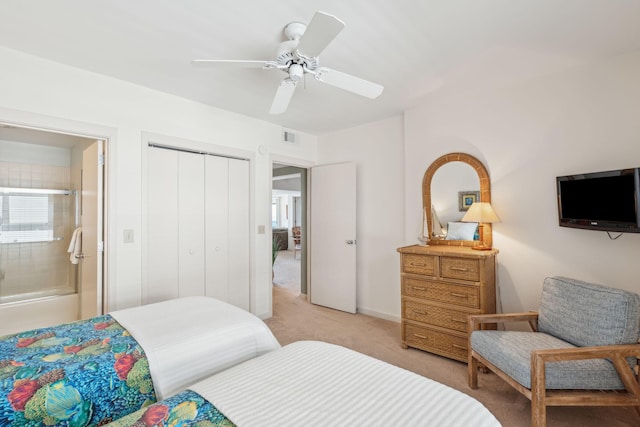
(322, 29)
(283, 97)
(231, 62)
(348, 82)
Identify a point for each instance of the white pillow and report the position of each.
(461, 230)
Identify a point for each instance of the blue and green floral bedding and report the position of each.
(184, 409)
(79, 374)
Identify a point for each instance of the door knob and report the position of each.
(351, 242)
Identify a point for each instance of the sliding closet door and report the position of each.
(197, 227)
(239, 233)
(191, 210)
(227, 230)
(217, 232)
(162, 226)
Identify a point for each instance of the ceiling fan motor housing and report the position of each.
(287, 55)
(295, 30)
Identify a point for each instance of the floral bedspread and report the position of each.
(77, 374)
(184, 409)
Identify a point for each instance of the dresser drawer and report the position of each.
(460, 268)
(467, 296)
(435, 315)
(437, 342)
(419, 264)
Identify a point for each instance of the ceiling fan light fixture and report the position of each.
(295, 72)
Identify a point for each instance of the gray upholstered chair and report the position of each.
(583, 350)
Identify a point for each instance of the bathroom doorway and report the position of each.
(51, 227)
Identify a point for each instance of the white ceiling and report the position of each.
(412, 47)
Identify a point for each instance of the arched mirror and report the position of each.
(450, 185)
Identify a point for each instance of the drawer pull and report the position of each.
(418, 288)
(420, 336)
(453, 319)
(419, 312)
(453, 294)
(415, 264)
(459, 268)
(461, 347)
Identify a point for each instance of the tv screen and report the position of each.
(601, 201)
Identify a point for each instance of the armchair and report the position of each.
(583, 349)
(295, 231)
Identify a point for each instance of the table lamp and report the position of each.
(482, 213)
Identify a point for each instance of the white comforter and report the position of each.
(311, 383)
(188, 339)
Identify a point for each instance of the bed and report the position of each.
(310, 383)
(94, 371)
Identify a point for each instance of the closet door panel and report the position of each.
(216, 227)
(239, 233)
(191, 242)
(162, 226)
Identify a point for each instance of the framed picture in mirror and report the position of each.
(466, 199)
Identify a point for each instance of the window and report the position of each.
(275, 212)
(26, 217)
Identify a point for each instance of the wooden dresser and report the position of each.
(441, 286)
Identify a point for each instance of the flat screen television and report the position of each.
(606, 201)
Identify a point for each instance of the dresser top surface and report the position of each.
(447, 250)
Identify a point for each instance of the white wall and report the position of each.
(39, 92)
(527, 132)
(377, 150)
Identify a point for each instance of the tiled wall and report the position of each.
(39, 269)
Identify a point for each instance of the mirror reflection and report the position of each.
(451, 184)
(454, 187)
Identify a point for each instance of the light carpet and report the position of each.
(294, 319)
(286, 270)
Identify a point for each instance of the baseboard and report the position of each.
(378, 314)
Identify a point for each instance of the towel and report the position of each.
(75, 246)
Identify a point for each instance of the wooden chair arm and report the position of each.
(617, 354)
(475, 320)
(582, 353)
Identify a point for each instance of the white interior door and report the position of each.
(333, 236)
(227, 230)
(198, 240)
(90, 287)
(239, 279)
(162, 226)
(191, 244)
(217, 232)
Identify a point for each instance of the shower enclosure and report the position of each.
(47, 181)
(35, 228)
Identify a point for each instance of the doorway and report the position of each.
(45, 175)
(289, 227)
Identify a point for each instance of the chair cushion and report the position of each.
(586, 314)
(510, 351)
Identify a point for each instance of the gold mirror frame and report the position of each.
(485, 196)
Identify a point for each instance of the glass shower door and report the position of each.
(35, 226)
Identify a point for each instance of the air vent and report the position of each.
(289, 137)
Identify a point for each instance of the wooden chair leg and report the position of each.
(472, 377)
(538, 392)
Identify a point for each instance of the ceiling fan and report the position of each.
(299, 56)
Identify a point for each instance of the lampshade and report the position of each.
(481, 212)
